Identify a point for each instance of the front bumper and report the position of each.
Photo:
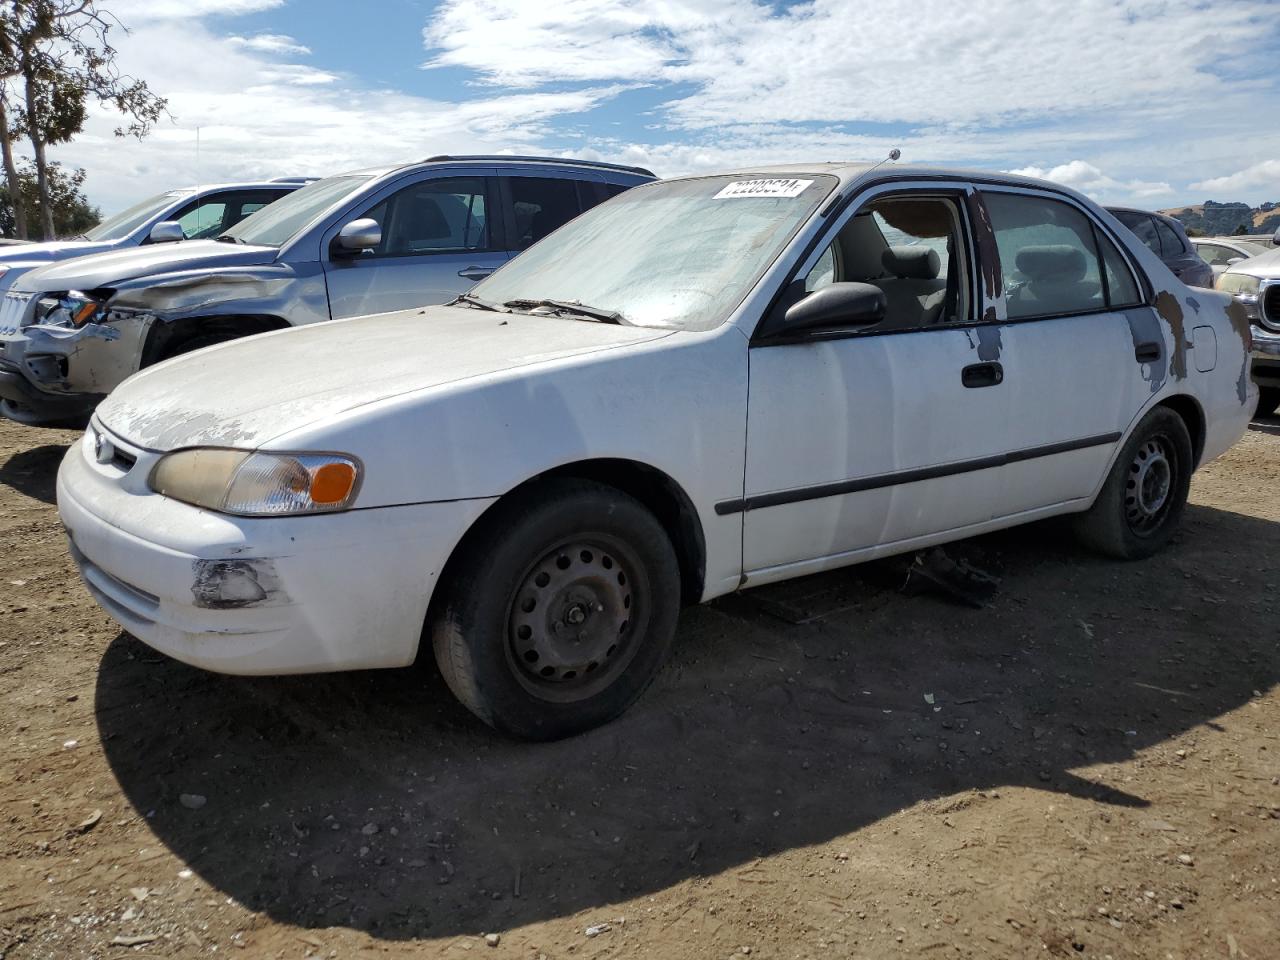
(1266, 357)
(52, 374)
(254, 595)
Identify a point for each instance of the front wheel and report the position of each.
(1268, 402)
(1145, 494)
(558, 611)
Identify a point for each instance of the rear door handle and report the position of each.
(982, 375)
(475, 273)
(1148, 352)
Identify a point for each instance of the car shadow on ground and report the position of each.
(34, 472)
(789, 716)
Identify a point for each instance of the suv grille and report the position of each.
(1270, 303)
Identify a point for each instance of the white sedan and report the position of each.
(701, 385)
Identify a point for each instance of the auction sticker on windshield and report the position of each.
(763, 188)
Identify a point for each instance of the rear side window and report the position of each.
(1142, 225)
(1169, 239)
(541, 204)
(1052, 264)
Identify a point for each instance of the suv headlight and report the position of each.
(256, 484)
(71, 309)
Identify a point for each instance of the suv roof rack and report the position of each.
(569, 160)
(293, 179)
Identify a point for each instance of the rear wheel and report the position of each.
(1268, 401)
(558, 611)
(1145, 494)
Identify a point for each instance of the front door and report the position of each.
(874, 438)
(439, 236)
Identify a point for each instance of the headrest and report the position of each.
(912, 262)
(1052, 263)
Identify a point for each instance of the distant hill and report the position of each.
(1213, 219)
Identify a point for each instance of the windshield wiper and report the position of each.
(571, 307)
(473, 300)
(227, 238)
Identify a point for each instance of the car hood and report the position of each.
(31, 254)
(246, 392)
(1264, 265)
(110, 269)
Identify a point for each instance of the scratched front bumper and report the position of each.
(266, 595)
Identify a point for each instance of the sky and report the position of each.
(1155, 103)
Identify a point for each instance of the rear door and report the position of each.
(1086, 346)
(439, 235)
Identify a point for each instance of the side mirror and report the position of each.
(1234, 260)
(358, 236)
(166, 231)
(837, 305)
(1275, 239)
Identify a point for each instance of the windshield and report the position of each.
(274, 224)
(123, 224)
(1253, 249)
(679, 253)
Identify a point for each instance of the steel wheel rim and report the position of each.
(575, 616)
(1148, 493)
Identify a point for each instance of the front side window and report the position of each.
(911, 247)
(124, 223)
(433, 216)
(1215, 255)
(679, 254)
(1049, 252)
(203, 219)
(541, 205)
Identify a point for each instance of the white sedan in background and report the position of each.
(701, 385)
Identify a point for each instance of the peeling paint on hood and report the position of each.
(245, 392)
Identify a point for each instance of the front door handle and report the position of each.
(982, 375)
(475, 273)
(1148, 352)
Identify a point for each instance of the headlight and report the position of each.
(258, 484)
(73, 309)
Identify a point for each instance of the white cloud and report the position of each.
(1088, 179)
(1264, 175)
(271, 43)
(834, 61)
(140, 11)
(261, 118)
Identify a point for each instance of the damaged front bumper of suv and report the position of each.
(56, 373)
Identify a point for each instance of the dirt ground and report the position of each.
(828, 768)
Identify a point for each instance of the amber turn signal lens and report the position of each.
(332, 482)
(84, 314)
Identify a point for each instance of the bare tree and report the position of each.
(60, 52)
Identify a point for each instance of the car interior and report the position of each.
(912, 249)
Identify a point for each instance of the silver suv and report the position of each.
(183, 214)
(365, 242)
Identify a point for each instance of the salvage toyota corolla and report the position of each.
(701, 385)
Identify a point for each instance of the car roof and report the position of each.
(507, 160)
(276, 184)
(849, 171)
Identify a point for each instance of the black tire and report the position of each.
(197, 342)
(558, 611)
(1268, 402)
(1145, 494)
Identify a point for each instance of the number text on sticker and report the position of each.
(763, 188)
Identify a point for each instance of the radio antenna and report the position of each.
(894, 154)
